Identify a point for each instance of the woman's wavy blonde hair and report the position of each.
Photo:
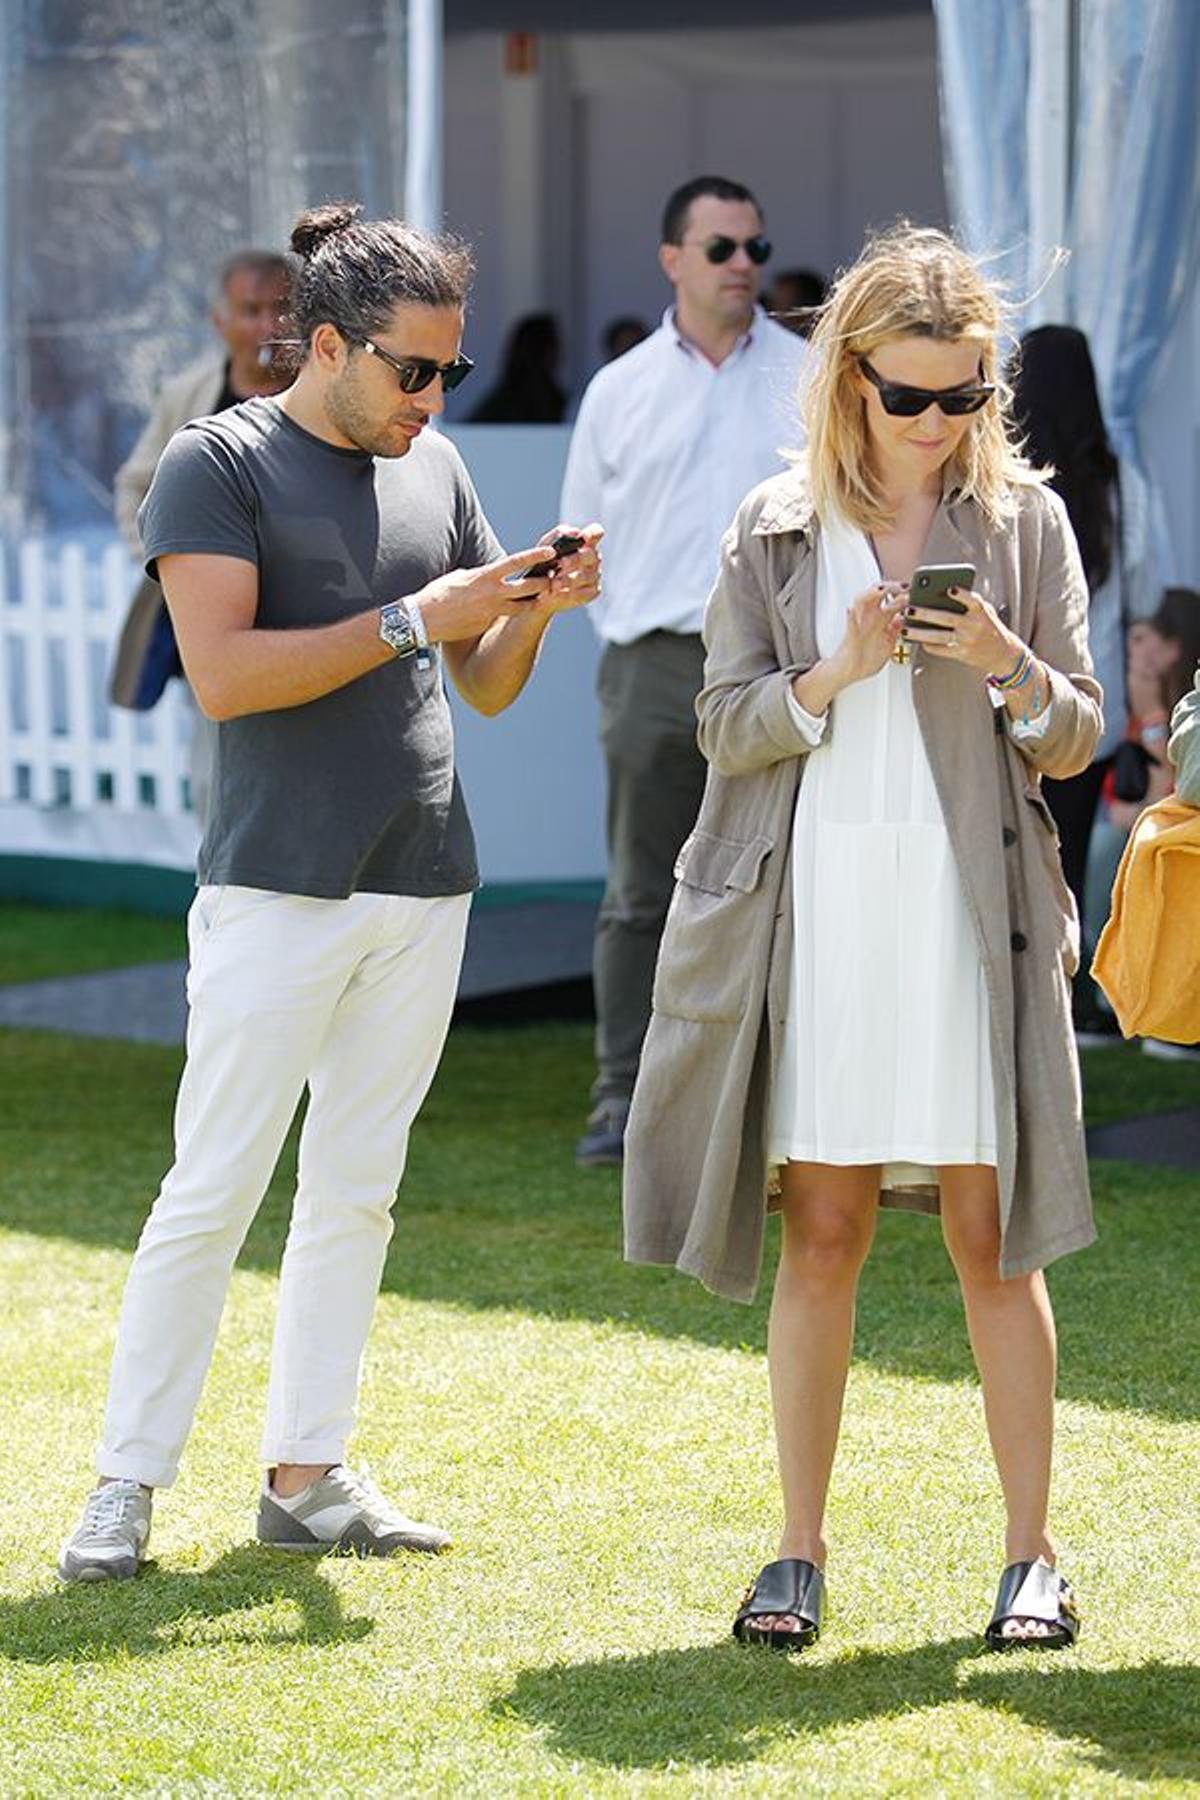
(910, 281)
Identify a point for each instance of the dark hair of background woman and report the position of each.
(528, 390)
(1178, 620)
(1056, 408)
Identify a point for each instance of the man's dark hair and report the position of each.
(354, 272)
(268, 265)
(675, 213)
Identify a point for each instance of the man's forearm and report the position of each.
(490, 673)
(258, 670)
(268, 671)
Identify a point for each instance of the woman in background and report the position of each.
(1163, 651)
(528, 391)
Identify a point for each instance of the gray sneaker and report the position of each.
(342, 1511)
(109, 1543)
(603, 1143)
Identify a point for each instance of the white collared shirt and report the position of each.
(665, 448)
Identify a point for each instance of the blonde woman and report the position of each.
(863, 993)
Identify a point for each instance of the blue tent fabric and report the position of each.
(983, 76)
(1150, 255)
(1133, 211)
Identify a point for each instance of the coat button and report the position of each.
(1008, 837)
(1019, 941)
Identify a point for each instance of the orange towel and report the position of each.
(1148, 957)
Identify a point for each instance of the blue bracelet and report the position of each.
(1017, 676)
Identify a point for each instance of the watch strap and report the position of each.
(424, 654)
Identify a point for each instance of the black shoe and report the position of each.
(603, 1143)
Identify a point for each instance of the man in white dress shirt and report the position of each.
(669, 440)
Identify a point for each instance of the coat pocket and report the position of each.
(711, 952)
(1049, 854)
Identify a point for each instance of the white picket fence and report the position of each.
(63, 747)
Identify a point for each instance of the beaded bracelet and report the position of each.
(1017, 676)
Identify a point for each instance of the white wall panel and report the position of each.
(833, 126)
(777, 139)
(891, 159)
(471, 192)
(630, 151)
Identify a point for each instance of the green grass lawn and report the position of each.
(597, 1438)
(37, 942)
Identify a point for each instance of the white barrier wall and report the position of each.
(534, 777)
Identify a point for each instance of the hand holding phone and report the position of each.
(930, 588)
(567, 543)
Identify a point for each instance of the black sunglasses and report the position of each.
(720, 249)
(416, 372)
(902, 402)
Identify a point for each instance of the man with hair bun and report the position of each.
(321, 555)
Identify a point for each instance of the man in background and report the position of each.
(670, 437)
(253, 297)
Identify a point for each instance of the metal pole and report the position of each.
(423, 134)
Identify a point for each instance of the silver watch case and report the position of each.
(397, 630)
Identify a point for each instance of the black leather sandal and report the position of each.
(1034, 1591)
(789, 1587)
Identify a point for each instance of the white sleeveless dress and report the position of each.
(886, 1055)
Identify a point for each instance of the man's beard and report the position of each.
(348, 414)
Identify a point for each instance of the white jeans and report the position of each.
(353, 997)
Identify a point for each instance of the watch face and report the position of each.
(396, 629)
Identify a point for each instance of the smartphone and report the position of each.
(931, 583)
(565, 544)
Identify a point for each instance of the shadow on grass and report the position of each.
(494, 1214)
(723, 1704)
(161, 1612)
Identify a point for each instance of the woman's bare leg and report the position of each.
(828, 1223)
(1011, 1328)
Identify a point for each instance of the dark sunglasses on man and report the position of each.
(417, 372)
(719, 249)
(413, 373)
(902, 402)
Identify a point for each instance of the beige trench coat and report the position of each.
(695, 1183)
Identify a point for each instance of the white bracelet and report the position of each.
(424, 655)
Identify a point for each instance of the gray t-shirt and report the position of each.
(355, 792)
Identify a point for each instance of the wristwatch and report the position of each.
(403, 630)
